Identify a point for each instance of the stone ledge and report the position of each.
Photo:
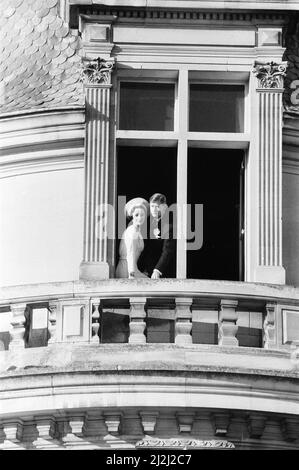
(149, 358)
(126, 288)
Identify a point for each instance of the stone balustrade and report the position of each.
(170, 311)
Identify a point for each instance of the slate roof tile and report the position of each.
(39, 57)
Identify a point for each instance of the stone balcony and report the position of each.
(116, 352)
(183, 312)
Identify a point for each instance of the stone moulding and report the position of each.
(97, 71)
(270, 75)
(185, 444)
(170, 12)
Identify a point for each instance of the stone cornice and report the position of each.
(193, 4)
(177, 16)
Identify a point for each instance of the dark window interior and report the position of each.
(204, 333)
(214, 181)
(146, 106)
(114, 327)
(159, 330)
(216, 108)
(250, 337)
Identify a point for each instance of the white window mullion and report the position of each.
(182, 162)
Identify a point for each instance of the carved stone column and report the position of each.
(269, 185)
(228, 327)
(96, 76)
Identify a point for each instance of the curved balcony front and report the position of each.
(120, 362)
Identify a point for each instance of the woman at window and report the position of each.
(132, 243)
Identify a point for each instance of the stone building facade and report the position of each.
(198, 99)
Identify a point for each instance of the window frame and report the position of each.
(181, 137)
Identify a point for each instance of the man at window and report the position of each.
(158, 257)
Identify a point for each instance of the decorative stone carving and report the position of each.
(221, 423)
(270, 75)
(53, 307)
(76, 424)
(97, 71)
(148, 421)
(137, 323)
(256, 425)
(185, 443)
(228, 328)
(13, 430)
(112, 421)
(45, 426)
(269, 327)
(185, 421)
(17, 332)
(183, 321)
(290, 428)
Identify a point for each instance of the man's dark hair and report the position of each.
(158, 198)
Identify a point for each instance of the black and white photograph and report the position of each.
(149, 228)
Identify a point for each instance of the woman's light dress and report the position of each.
(130, 248)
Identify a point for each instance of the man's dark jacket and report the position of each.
(159, 253)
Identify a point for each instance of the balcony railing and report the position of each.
(182, 312)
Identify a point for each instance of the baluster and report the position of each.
(95, 322)
(52, 322)
(137, 323)
(269, 337)
(183, 321)
(228, 328)
(18, 312)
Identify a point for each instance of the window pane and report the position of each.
(147, 106)
(216, 108)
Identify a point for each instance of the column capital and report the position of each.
(97, 72)
(270, 75)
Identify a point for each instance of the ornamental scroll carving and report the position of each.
(270, 75)
(97, 71)
(185, 443)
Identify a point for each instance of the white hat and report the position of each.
(136, 202)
